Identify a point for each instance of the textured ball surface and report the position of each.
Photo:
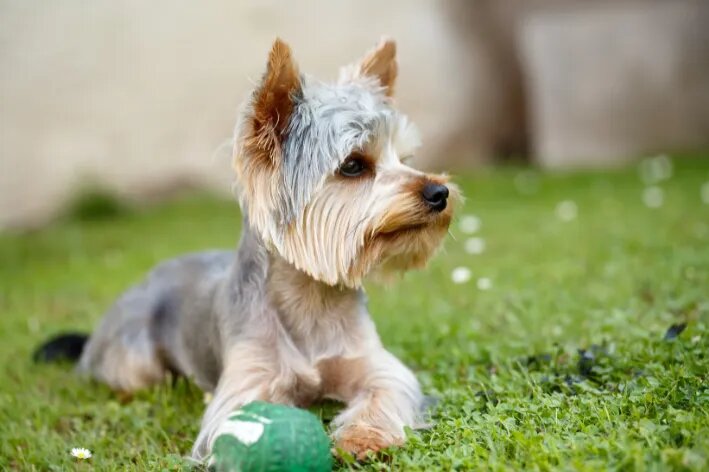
(268, 437)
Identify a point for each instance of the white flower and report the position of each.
(655, 169)
(566, 210)
(705, 193)
(460, 275)
(80, 453)
(469, 224)
(475, 245)
(207, 397)
(484, 283)
(653, 197)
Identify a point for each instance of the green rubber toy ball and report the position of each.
(264, 436)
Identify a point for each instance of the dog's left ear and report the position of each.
(379, 63)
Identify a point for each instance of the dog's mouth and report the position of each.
(405, 246)
(438, 222)
(406, 229)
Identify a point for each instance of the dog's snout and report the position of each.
(435, 195)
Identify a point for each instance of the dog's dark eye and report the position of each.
(353, 167)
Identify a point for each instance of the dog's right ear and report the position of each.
(273, 103)
(258, 150)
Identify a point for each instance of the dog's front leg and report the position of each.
(252, 371)
(383, 396)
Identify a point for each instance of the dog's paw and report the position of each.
(359, 441)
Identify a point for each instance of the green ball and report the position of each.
(264, 436)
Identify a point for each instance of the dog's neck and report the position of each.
(302, 300)
(322, 320)
(313, 313)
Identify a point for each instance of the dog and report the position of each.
(327, 200)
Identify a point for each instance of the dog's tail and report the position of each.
(62, 347)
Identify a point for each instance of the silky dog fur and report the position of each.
(327, 200)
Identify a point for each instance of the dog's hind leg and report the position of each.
(123, 352)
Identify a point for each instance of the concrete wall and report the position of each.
(606, 85)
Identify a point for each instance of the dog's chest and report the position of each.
(326, 335)
(327, 329)
(336, 377)
(321, 321)
(336, 357)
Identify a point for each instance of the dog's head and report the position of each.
(321, 171)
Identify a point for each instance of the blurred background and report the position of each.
(140, 98)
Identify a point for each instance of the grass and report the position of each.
(561, 364)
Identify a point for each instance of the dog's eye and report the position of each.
(354, 166)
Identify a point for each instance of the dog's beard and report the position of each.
(410, 246)
(348, 231)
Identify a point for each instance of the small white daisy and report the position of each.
(566, 210)
(705, 193)
(664, 166)
(653, 197)
(460, 275)
(475, 245)
(655, 169)
(484, 283)
(81, 453)
(207, 397)
(469, 224)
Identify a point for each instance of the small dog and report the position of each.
(326, 201)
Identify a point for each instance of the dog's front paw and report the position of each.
(361, 440)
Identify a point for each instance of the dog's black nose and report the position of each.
(435, 196)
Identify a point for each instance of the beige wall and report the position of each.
(139, 95)
(607, 85)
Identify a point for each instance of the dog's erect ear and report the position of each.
(379, 63)
(273, 99)
(258, 150)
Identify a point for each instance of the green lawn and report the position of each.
(560, 364)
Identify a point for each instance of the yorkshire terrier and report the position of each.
(327, 199)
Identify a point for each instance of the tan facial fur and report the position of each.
(375, 222)
(349, 226)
